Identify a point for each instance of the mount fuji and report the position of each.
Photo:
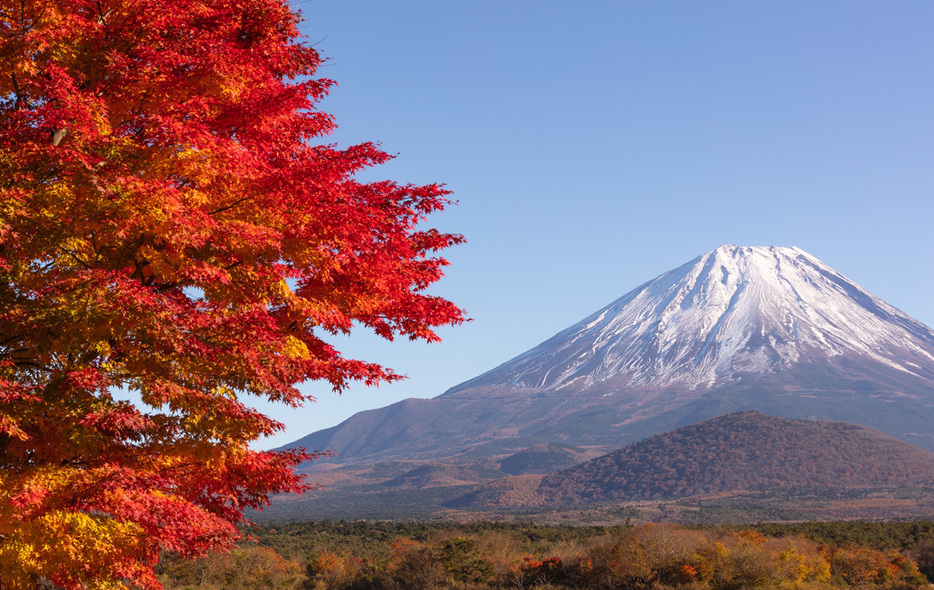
(739, 328)
(731, 312)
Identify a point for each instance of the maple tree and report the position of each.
(169, 227)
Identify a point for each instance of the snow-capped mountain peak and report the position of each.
(768, 329)
(733, 311)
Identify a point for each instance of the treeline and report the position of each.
(390, 556)
(874, 535)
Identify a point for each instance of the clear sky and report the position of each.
(594, 145)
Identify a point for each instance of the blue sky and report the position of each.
(594, 145)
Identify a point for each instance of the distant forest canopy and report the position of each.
(745, 451)
(413, 555)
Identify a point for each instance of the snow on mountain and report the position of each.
(763, 328)
(733, 311)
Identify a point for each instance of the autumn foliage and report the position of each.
(382, 556)
(169, 227)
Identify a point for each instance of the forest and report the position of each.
(426, 555)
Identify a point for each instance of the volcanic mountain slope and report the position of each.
(763, 328)
(732, 312)
(435, 475)
(748, 451)
(542, 459)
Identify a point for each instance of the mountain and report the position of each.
(542, 459)
(729, 313)
(739, 328)
(743, 451)
(432, 475)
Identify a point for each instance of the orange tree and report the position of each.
(168, 226)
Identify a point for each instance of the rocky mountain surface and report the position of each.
(743, 451)
(739, 328)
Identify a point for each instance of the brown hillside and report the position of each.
(509, 492)
(543, 458)
(744, 451)
(740, 451)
